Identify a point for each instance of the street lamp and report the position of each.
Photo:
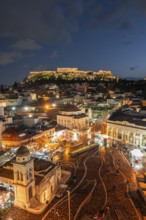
(53, 105)
(13, 108)
(68, 193)
(26, 108)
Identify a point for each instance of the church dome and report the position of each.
(22, 151)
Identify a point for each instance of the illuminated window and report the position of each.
(131, 137)
(144, 140)
(125, 136)
(22, 135)
(119, 134)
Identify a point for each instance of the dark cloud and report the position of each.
(115, 13)
(54, 21)
(99, 16)
(39, 67)
(127, 42)
(54, 54)
(30, 24)
(126, 25)
(27, 44)
(9, 57)
(132, 68)
(42, 21)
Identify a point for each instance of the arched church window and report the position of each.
(27, 175)
(30, 173)
(17, 175)
(21, 176)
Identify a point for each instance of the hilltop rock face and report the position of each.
(70, 74)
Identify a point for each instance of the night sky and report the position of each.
(88, 34)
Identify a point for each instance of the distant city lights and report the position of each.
(13, 108)
(26, 108)
(54, 105)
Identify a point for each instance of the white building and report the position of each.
(8, 102)
(76, 122)
(129, 128)
(35, 181)
(2, 111)
(30, 121)
(71, 117)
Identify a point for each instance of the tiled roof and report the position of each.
(15, 134)
(70, 108)
(136, 118)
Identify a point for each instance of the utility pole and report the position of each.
(68, 193)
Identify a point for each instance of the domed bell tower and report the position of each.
(24, 181)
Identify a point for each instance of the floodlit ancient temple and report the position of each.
(73, 73)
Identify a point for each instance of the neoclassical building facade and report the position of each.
(127, 133)
(128, 129)
(75, 122)
(71, 117)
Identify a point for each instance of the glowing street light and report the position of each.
(54, 105)
(26, 108)
(13, 108)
